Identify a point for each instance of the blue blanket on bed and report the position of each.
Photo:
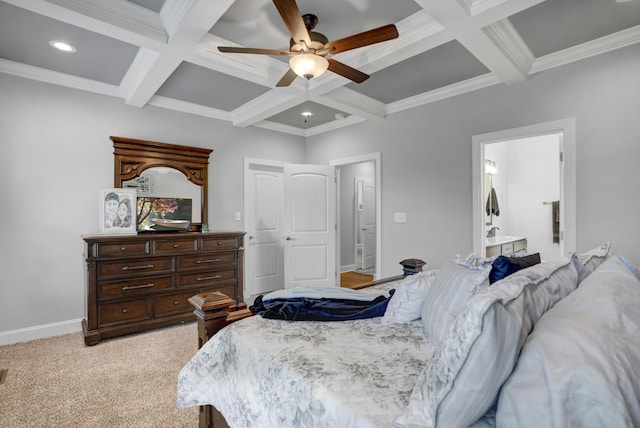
(320, 309)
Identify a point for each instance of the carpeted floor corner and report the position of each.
(129, 381)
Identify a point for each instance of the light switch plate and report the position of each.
(400, 217)
(238, 216)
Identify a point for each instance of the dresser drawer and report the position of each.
(207, 261)
(133, 286)
(170, 304)
(206, 278)
(125, 248)
(215, 244)
(123, 312)
(134, 266)
(176, 246)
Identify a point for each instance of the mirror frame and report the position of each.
(132, 157)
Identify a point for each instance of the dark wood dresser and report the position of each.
(144, 281)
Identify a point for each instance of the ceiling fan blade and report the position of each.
(287, 79)
(345, 71)
(292, 18)
(234, 49)
(377, 35)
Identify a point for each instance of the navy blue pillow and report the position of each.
(504, 266)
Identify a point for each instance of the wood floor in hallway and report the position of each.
(355, 280)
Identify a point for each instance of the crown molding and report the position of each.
(187, 107)
(56, 78)
(604, 44)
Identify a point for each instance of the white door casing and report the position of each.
(310, 225)
(565, 127)
(376, 158)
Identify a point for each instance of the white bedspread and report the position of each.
(271, 373)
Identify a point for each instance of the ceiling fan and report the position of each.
(308, 49)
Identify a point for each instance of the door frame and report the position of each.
(565, 127)
(376, 158)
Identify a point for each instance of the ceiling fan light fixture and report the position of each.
(308, 65)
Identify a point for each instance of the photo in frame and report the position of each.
(117, 211)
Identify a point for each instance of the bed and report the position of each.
(451, 350)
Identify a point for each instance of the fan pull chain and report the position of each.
(306, 98)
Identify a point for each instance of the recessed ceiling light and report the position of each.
(306, 113)
(65, 47)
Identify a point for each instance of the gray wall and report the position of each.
(426, 156)
(57, 156)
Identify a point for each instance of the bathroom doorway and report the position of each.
(534, 187)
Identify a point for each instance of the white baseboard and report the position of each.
(347, 268)
(40, 331)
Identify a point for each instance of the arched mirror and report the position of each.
(164, 170)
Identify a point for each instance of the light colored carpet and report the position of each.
(129, 381)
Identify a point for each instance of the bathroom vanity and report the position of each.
(505, 245)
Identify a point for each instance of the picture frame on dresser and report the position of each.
(117, 211)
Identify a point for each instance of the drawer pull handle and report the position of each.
(123, 248)
(208, 261)
(219, 242)
(176, 302)
(124, 310)
(176, 246)
(205, 278)
(134, 287)
(149, 266)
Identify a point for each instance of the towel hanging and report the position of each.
(555, 221)
(492, 206)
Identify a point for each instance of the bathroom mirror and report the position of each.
(166, 170)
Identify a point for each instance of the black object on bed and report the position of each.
(320, 309)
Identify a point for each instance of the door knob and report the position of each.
(286, 238)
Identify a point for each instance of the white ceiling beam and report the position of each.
(56, 78)
(604, 44)
(488, 36)
(189, 25)
(191, 108)
(118, 19)
(260, 69)
(500, 48)
(354, 103)
(265, 106)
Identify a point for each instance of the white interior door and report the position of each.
(264, 248)
(367, 221)
(310, 225)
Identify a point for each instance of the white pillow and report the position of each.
(580, 364)
(452, 287)
(593, 258)
(462, 380)
(406, 303)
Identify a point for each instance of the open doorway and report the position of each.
(524, 175)
(564, 167)
(358, 230)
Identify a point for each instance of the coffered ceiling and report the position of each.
(164, 52)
